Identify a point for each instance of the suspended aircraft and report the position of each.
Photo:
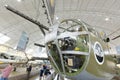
(6, 58)
(76, 50)
(7, 55)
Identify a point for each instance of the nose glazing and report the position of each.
(69, 54)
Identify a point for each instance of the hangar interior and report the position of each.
(102, 15)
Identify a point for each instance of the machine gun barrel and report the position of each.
(41, 26)
(40, 45)
(116, 37)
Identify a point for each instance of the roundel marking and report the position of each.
(98, 53)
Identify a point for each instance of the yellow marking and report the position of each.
(52, 3)
(1, 62)
(77, 49)
(70, 62)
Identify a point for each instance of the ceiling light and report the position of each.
(3, 38)
(6, 5)
(79, 20)
(107, 19)
(57, 17)
(19, 0)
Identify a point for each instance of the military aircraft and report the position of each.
(6, 58)
(76, 50)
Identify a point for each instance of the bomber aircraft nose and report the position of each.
(68, 49)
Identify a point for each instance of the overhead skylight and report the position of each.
(3, 38)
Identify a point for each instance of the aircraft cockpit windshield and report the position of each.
(78, 43)
(70, 50)
(73, 37)
(71, 26)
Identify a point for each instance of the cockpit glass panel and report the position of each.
(78, 43)
(71, 26)
(82, 43)
(55, 55)
(73, 49)
(67, 43)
